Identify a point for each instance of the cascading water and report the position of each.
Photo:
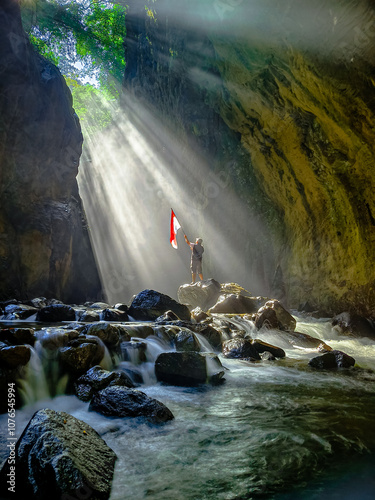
(274, 429)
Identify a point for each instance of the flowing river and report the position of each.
(274, 430)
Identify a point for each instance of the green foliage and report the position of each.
(85, 37)
(93, 106)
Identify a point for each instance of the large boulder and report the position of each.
(119, 401)
(58, 456)
(203, 294)
(353, 325)
(274, 315)
(246, 348)
(108, 333)
(56, 313)
(188, 368)
(14, 356)
(332, 360)
(18, 311)
(150, 304)
(80, 355)
(97, 379)
(18, 336)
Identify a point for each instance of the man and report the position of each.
(196, 258)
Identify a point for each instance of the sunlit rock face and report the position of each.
(44, 244)
(291, 87)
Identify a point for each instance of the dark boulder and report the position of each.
(59, 456)
(56, 313)
(353, 325)
(97, 379)
(332, 360)
(110, 314)
(262, 347)
(298, 339)
(18, 336)
(118, 401)
(240, 348)
(203, 294)
(18, 311)
(149, 305)
(188, 368)
(274, 315)
(108, 333)
(88, 315)
(185, 340)
(14, 356)
(80, 355)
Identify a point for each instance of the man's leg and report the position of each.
(201, 276)
(193, 275)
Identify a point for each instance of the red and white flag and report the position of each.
(175, 226)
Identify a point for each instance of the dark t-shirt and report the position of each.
(197, 252)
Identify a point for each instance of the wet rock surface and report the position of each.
(119, 401)
(60, 456)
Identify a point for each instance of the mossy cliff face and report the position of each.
(296, 92)
(307, 120)
(44, 244)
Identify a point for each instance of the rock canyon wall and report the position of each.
(45, 248)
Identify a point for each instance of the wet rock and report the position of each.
(166, 333)
(199, 315)
(267, 356)
(97, 379)
(99, 305)
(240, 348)
(18, 336)
(235, 304)
(166, 317)
(59, 456)
(56, 313)
(116, 401)
(109, 334)
(114, 315)
(273, 315)
(262, 347)
(18, 311)
(332, 360)
(187, 368)
(80, 355)
(307, 341)
(88, 315)
(122, 307)
(149, 305)
(353, 325)
(185, 340)
(14, 356)
(203, 294)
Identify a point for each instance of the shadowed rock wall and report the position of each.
(289, 87)
(44, 243)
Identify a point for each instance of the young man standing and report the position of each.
(196, 258)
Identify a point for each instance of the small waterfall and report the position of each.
(34, 386)
(204, 344)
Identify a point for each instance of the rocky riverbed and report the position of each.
(103, 355)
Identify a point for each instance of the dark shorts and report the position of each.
(196, 266)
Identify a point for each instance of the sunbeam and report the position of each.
(129, 179)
